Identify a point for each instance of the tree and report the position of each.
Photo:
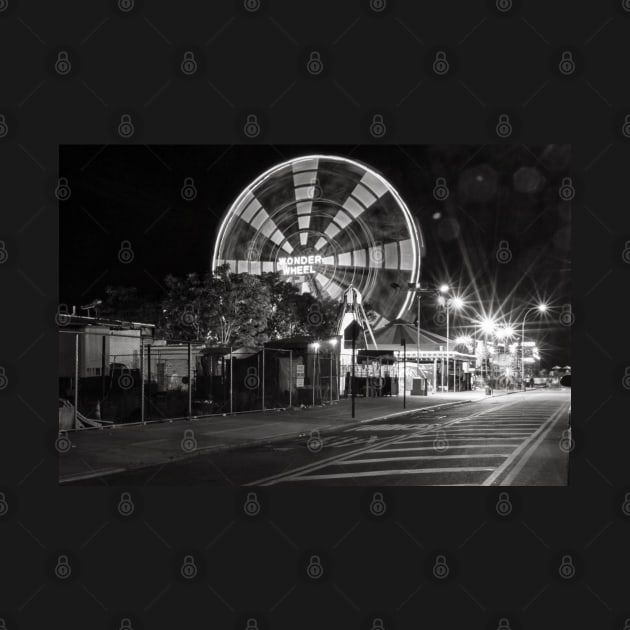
(221, 308)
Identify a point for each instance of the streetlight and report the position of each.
(316, 346)
(541, 308)
(417, 288)
(457, 303)
(488, 326)
(333, 343)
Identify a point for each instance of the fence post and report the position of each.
(76, 378)
(231, 375)
(330, 379)
(290, 378)
(141, 378)
(263, 379)
(103, 344)
(189, 384)
(149, 381)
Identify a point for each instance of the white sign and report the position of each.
(298, 265)
(299, 382)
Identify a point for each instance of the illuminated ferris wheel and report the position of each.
(326, 223)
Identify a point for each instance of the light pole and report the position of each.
(453, 302)
(316, 346)
(419, 290)
(333, 343)
(541, 308)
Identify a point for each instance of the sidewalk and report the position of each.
(97, 452)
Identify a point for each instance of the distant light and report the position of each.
(441, 300)
(437, 216)
(333, 342)
(457, 302)
(488, 325)
(444, 288)
(463, 340)
(316, 345)
(542, 308)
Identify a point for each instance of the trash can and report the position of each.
(488, 390)
(419, 386)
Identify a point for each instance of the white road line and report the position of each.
(378, 473)
(417, 458)
(432, 438)
(432, 448)
(508, 462)
(519, 466)
(301, 470)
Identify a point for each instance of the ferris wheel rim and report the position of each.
(412, 227)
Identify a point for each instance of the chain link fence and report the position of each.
(109, 378)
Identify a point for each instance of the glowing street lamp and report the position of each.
(540, 308)
(457, 303)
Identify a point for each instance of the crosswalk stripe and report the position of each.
(417, 458)
(432, 448)
(404, 471)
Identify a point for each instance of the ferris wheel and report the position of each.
(326, 223)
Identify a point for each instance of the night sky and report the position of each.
(496, 193)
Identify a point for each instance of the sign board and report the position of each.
(300, 375)
(298, 265)
(299, 382)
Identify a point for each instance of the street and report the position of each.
(508, 440)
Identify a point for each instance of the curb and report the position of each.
(220, 448)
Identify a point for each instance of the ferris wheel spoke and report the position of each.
(254, 215)
(394, 255)
(304, 184)
(367, 191)
(328, 285)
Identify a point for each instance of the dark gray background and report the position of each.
(374, 63)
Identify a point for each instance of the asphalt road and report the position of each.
(508, 440)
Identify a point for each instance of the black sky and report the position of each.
(496, 193)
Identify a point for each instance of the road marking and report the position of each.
(405, 471)
(417, 458)
(543, 428)
(301, 471)
(526, 456)
(432, 448)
